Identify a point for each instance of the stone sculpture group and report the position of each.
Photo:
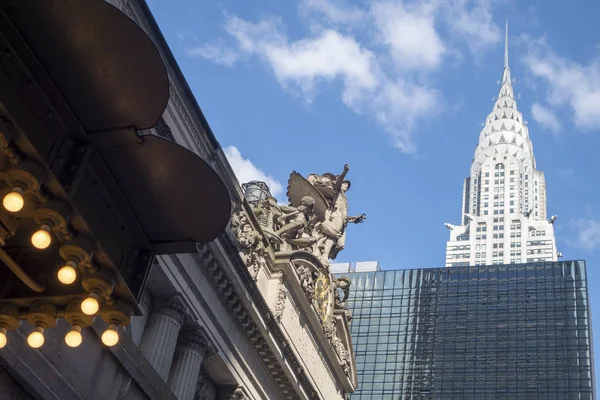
(315, 222)
(316, 218)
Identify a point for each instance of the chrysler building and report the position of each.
(503, 216)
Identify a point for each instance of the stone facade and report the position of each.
(250, 315)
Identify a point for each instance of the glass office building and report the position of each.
(501, 332)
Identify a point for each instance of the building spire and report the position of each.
(506, 46)
(506, 73)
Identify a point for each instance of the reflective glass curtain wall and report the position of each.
(499, 332)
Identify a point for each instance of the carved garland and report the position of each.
(249, 242)
(280, 305)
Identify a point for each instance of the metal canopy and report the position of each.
(104, 64)
(177, 197)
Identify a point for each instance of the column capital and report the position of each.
(206, 389)
(194, 338)
(171, 306)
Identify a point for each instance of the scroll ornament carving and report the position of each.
(249, 242)
(342, 353)
(338, 345)
(280, 305)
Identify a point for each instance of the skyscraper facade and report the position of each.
(503, 216)
(500, 332)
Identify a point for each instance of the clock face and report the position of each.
(323, 296)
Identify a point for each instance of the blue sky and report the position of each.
(398, 90)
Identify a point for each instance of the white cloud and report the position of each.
(545, 117)
(473, 21)
(301, 64)
(587, 233)
(218, 54)
(246, 171)
(568, 84)
(395, 102)
(410, 34)
(333, 11)
(354, 44)
(399, 105)
(566, 173)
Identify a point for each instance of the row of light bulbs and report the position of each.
(73, 338)
(41, 239)
(14, 202)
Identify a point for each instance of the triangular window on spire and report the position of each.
(503, 127)
(514, 140)
(503, 114)
(493, 129)
(502, 139)
(490, 143)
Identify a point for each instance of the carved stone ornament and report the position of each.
(342, 291)
(249, 242)
(280, 305)
(172, 306)
(206, 389)
(238, 395)
(194, 339)
(329, 327)
(342, 354)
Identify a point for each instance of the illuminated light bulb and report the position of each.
(67, 274)
(3, 339)
(14, 201)
(36, 338)
(110, 337)
(90, 306)
(74, 338)
(41, 239)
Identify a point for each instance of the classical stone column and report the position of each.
(205, 389)
(160, 335)
(192, 346)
